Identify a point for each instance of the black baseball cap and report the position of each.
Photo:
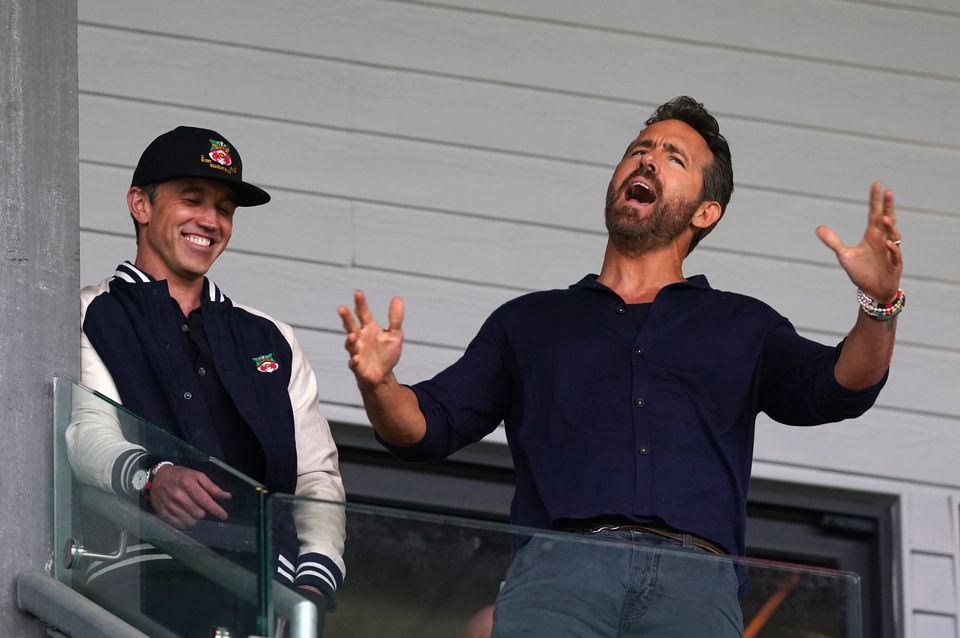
(196, 152)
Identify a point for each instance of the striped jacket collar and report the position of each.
(133, 275)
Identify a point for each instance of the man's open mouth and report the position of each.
(641, 193)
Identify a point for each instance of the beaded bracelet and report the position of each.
(881, 311)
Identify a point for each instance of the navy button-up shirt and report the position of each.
(655, 423)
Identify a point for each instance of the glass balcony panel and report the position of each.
(413, 574)
(167, 574)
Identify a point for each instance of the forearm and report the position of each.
(866, 353)
(394, 412)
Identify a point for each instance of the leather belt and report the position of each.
(596, 526)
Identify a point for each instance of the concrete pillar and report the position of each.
(39, 274)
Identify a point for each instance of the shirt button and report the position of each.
(638, 351)
(201, 371)
(640, 403)
(644, 450)
(187, 395)
(184, 327)
(621, 310)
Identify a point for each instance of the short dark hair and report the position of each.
(150, 190)
(718, 175)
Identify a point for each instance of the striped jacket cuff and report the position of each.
(317, 571)
(124, 467)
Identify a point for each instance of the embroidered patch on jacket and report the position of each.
(219, 153)
(266, 363)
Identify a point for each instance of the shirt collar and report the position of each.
(696, 281)
(133, 275)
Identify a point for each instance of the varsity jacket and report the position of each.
(130, 353)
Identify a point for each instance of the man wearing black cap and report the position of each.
(163, 340)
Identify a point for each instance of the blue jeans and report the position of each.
(617, 584)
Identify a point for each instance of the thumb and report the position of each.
(830, 238)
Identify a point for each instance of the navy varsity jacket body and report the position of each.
(131, 353)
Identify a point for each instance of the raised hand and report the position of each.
(374, 351)
(182, 496)
(876, 263)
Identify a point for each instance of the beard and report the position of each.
(633, 235)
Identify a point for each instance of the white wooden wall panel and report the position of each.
(934, 625)
(884, 443)
(936, 7)
(551, 56)
(884, 39)
(933, 583)
(931, 520)
(458, 154)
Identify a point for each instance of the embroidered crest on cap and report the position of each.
(220, 153)
(266, 363)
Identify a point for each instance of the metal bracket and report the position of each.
(73, 552)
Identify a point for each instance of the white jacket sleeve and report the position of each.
(99, 453)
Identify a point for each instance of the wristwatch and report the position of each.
(143, 477)
(140, 479)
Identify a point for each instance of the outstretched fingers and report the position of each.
(349, 324)
(875, 207)
(883, 213)
(395, 314)
(362, 308)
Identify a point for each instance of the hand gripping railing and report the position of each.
(302, 617)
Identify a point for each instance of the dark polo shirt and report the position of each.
(240, 446)
(610, 414)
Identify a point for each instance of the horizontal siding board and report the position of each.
(849, 33)
(550, 56)
(448, 314)
(821, 298)
(926, 625)
(930, 516)
(933, 583)
(940, 6)
(356, 97)
(472, 249)
(891, 444)
(783, 224)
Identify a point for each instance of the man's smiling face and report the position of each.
(184, 229)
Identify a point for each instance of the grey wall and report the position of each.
(39, 268)
(457, 153)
